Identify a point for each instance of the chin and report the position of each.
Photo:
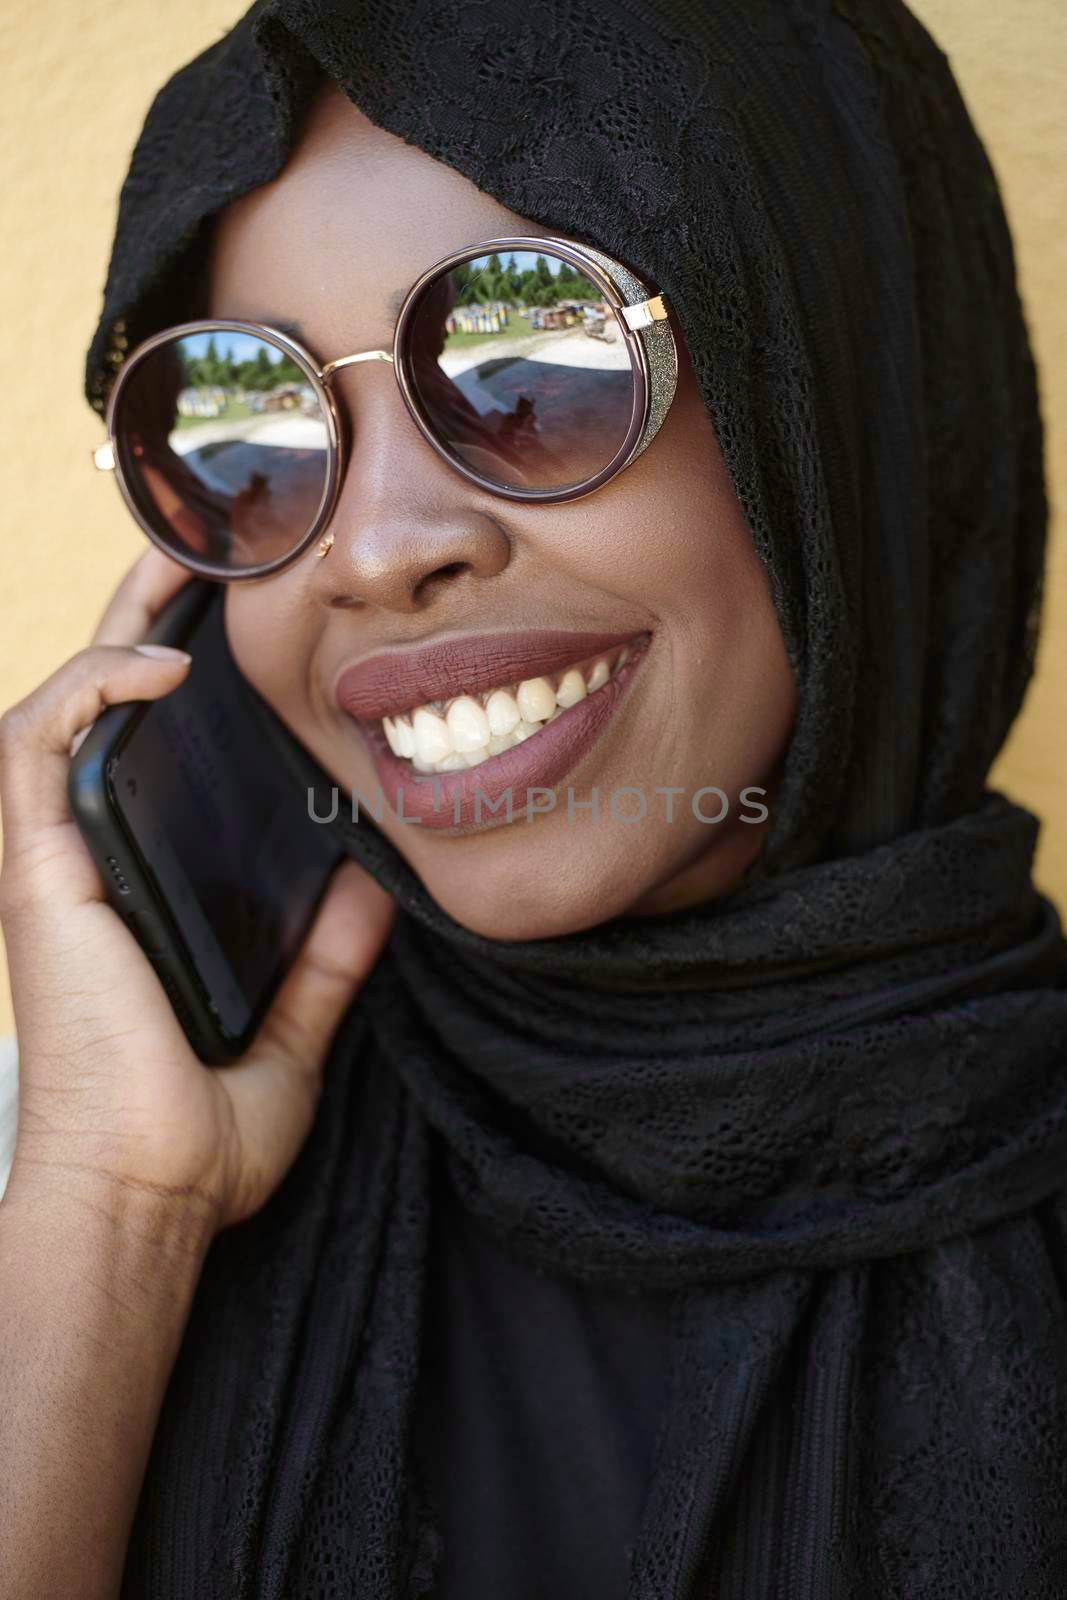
(505, 913)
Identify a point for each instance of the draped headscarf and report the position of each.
(827, 1112)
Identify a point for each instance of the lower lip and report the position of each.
(464, 800)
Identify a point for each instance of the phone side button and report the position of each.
(149, 932)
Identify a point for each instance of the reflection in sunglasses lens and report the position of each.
(224, 446)
(520, 366)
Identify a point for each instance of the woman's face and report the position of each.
(421, 558)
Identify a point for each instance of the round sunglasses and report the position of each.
(537, 368)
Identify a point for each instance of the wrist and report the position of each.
(98, 1281)
(130, 1228)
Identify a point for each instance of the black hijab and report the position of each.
(827, 1113)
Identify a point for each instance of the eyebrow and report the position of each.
(294, 330)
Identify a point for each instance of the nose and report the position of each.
(407, 529)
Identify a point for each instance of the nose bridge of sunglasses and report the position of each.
(350, 361)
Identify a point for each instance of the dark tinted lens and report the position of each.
(224, 447)
(521, 368)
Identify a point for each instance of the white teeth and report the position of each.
(436, 739)
(404, 735)
(401, 737)
(536, 700)
(502, 712)
(432, 739)
(468, 725)
(572, 689)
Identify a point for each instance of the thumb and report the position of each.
(339, 952)
(275, 1087)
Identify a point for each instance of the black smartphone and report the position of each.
(201, 829)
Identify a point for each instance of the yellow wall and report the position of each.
(77, 81)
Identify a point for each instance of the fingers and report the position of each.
(345, 941)
(35, 734)
(275, 1088)
(148, 585)
(152, 580)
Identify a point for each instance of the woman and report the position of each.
(680, 1208)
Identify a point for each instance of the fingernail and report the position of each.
(78, 740)
(163, 652)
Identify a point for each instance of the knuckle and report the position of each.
(19, 723)
(287, 1035)
(327, 969)
(15, 725)
(87, 662)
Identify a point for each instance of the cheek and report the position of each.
(728, 699)
(728, 644)
(670, 532)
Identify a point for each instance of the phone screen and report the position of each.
(222, 824)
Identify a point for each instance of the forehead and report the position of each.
(353, 218)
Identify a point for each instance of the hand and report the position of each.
(112, 1098)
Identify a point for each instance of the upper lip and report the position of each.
(395, 681)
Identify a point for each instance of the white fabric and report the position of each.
(9, 1103)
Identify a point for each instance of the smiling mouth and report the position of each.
(470, 728)
(461, 727)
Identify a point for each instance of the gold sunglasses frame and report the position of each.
(640, 314)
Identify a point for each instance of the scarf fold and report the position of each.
(847, 1218)
(826, 1115)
